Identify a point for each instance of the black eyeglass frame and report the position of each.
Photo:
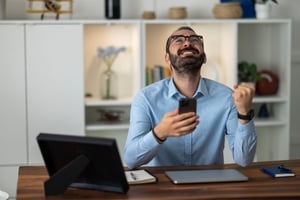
(173, 37)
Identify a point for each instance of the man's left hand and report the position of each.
(242, 96)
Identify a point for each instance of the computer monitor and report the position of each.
(82, 162)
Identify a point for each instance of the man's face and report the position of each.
(186, 52)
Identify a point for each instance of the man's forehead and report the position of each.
(184, 32)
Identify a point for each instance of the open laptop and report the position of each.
(205, 176)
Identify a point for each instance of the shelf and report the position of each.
(48, 11)
(212, 21)
(55, 0)
(94, 104)
(98, 102)
(259, 122)
(107, 126)
(269, 99)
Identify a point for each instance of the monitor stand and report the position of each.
(60, 181)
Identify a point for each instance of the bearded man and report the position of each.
(159, 136)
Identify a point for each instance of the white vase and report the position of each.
(262, 11)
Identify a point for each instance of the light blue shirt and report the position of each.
(205, 145)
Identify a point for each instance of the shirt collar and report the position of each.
(201, 90)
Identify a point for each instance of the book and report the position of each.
(157, 73)
(278, 171)
(139, 177)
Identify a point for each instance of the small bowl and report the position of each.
(110, 115)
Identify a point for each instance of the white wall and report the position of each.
(290, 9)
(132, 9)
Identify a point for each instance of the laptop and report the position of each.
(205, 176)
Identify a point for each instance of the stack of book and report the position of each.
(157, 73)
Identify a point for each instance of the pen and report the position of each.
(132, 176)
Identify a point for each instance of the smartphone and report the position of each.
(187, 105)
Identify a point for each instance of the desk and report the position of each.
(260, 185)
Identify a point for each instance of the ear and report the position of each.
(167, 59)
(204, 59)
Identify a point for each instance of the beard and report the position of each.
(189, 65)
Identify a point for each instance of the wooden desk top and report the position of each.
(260, 185)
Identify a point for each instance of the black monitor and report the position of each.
(82, 162)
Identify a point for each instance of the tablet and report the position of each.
(81, 162)
(205, 176)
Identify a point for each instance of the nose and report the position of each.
(187, 42)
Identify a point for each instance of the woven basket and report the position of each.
(227, 10)
(148, 15)
(177, 13)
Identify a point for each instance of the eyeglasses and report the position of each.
(180, 39)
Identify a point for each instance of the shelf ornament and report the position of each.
(109, 79)
(50, 6)
(263, 8)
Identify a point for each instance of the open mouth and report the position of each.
(187, 52)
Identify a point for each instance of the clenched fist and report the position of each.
(242, 96)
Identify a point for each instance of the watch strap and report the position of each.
(249, 116)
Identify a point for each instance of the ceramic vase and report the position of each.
(262, 11)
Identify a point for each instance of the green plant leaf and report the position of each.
(247, 72)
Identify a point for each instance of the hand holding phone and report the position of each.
(187, 105)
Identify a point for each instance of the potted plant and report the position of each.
(247, 72)
(262, 8)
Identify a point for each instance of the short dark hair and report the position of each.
(169, 38)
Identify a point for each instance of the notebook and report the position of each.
(205, 176)
(278, 171)
(139, 177)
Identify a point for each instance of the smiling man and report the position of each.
(159, 136)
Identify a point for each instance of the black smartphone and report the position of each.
(187, 105)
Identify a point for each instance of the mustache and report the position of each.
(187, 49)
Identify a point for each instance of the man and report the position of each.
(159, 135)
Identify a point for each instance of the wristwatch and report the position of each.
(249, 116)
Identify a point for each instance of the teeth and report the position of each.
(187, 53)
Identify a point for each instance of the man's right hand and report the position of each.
(174, 124)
